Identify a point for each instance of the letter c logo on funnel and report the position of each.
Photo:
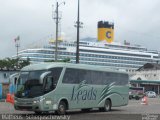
(108, 34)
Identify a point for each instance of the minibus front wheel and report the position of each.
(62, 107)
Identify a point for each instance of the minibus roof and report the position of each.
(49, 65)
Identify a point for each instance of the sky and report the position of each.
(137, 21)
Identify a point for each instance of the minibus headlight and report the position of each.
(15, 101)
(37, 101)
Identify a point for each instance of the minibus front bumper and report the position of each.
(34, 105)
(28, 105)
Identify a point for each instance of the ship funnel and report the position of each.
(105, 31)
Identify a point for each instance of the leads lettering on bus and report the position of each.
(83, 94)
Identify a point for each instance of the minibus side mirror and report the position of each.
(15, 80)
(48, 83)
(43, 76)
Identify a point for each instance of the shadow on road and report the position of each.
(76, 112)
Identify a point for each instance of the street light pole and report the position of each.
(77, 51)
(56, 49)
(17, 45)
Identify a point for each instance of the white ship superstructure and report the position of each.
(115, 55)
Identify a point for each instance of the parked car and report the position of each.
(151, 94)
(136, 93)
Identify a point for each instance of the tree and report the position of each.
(9, 63)
(24, 63)
(67, 60)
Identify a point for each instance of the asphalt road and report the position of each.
(133, 111)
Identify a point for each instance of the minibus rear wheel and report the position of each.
(107, 105)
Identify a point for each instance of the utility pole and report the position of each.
(56, 32)
(78, 25)
(17, 45)
(57, 19)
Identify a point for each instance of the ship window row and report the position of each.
(43, 55)
(38, 56)
(51, 47)
(45, 60)
(88, 59)
(38, 59)
(112, 61)
(114, 57)
(90, 55)
(43, 51)
(51, 52)
(66, 53)
(110, 58)
(40, 52)
(110, 65)
(155, 57)
(69, 53)
(115, 62)
(128, 47)
(115, 53)
(117, 47)
(69, 44)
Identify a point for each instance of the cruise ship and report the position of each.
(121, 56)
